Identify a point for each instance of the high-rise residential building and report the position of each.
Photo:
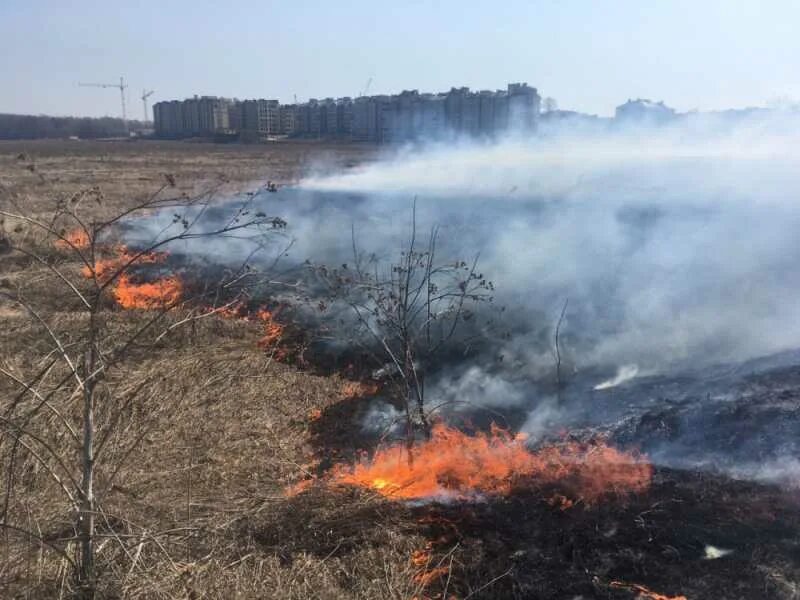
(344, 118)
(168, 119)
(235, 115)
(329, 118)
(404, 117)
(191, 116)
(364, 127)
(523, 107)
(213, 115)
(260, 118)
(288, 119)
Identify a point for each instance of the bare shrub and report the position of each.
(62, 414)
(407, 312)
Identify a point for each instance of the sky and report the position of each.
(590, 55)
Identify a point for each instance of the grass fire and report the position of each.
(455, 465)
(378, 379)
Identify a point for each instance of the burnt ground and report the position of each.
(660, 539)
(745, 422)
(692, 534)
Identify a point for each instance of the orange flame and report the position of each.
(106, 267)
(273, 331)
(77, 238)
(454, 463)
(161, 293)
(422, 559)
(643, 593)
(129, 294)
(236, 310)
(359, 389)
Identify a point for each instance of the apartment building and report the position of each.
(407, 116)
(260, 118)
(288, 119)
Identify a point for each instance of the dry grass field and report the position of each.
(192, 483)
(202, 436)
(128, 170)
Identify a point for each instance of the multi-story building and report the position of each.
(453, 107)
(260, 118)
(431, 116)
(235, 115)
(641, 110)
(486, 107)
(470, 115)
(404, 117)
(288, 119)
(523, 106)
(329, 118)
(314, 118)
(168, 119)
(191, 116)
(365, 125)
(213, 115)
(344, 117)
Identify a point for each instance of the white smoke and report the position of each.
(676, 246)
(624, 373)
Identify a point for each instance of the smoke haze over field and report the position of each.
(677, 248)
(675, 245)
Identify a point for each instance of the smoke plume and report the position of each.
(676, 246)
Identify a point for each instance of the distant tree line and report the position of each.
(31, 127)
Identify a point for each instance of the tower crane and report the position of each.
(121, 87)
(366, 87)
(145, 96)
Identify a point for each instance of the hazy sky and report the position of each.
(588, 54)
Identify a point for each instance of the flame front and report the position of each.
(456, 464)
(104, 268)
(273, 331)
(161, 293)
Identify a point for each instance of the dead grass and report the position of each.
(193, 478)
(128, 172)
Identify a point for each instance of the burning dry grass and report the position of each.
(453, 464)
(359, 389)
(163, 292)
(117, 257)
(273, 331)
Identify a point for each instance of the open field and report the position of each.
(204, 435)
(128, 170)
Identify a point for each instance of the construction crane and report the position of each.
(121, 87)
(366, 87)
(145, 96)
